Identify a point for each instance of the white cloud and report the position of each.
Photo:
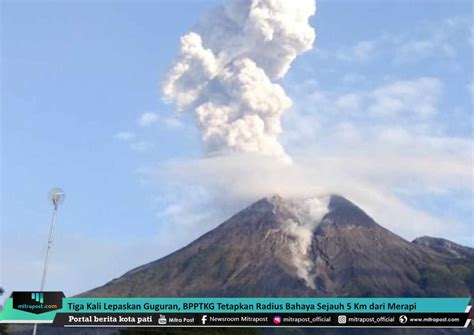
(133, 143)
(147, 119)
(408, 104)
(415, 50)
(370, 144)
(427, 40)
(407, 98)
(435, 39)
(141, 143)
(140, 146)
(470, 88)
(350, 102)
(471, 35)
(362, 51)
(369, 177)
(398, 119)
(353, 78)
(124, 135)
(173, 122)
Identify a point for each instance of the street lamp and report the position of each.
(56, 196)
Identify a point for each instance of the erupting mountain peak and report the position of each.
(287, 247)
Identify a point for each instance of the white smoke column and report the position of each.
(226, 69)
(308, 213)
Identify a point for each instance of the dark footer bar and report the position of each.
(376, 320)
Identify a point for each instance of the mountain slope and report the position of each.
(445, 247)
(298, 248)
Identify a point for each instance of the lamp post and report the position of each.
(56, 196)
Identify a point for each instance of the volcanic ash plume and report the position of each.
(225, 72)
(308, 213)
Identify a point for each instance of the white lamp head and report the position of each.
(57, 195)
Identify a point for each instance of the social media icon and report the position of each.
(162, 320)
(204, 319)
(342, 319)
(403, 319)
(277, 319)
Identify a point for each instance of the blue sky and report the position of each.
(82, 109)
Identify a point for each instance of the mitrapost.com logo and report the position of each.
(37, 302)
(38, 297)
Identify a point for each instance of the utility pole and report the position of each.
(56, 196)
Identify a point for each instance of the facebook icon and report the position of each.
(204, 319)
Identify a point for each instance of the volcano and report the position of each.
(291, 248)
